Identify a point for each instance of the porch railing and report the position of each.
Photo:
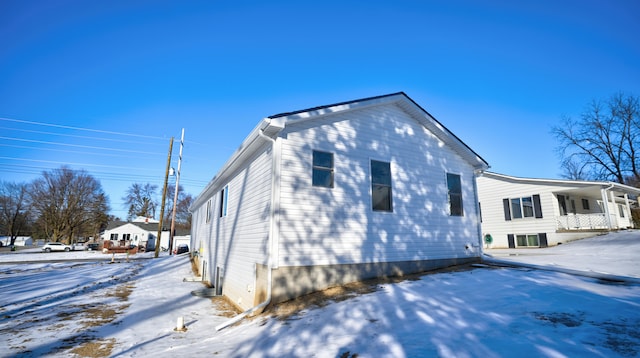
(583, 221)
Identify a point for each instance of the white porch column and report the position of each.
(615, 210)
(605, 204)
(626, 203)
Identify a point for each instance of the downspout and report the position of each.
(605, 200)
(478, 173)
(266, 302)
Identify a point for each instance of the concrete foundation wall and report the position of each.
(293, 281)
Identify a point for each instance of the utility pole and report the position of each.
(175, 196)
(164, 197)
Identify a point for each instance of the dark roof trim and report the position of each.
(286, 114)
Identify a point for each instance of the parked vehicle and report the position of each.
(56, 246)
(93, 247)
(182, 249)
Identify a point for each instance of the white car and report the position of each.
(56, 246)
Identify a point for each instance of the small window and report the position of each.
(114, 237)
(530, 240)
(208, 212)
(585, 204)
(322, 169)
(621, 209)
(455, 194)
(381, 186)
(224, 198)
(526, 207)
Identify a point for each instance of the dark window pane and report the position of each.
(456, 204)
(381, 173)
(527, 207)
(516, 210)
(455, 194)
(381, 198)
(322, 174)
(381, 186)
(322, 159)
(323, 178)
(453, 182)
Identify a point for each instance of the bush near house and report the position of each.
(635, 216)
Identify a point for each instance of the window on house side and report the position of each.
(322, 174)
(585, 204)
(381, 197)
(208, 213)
(224, 198)
(527, 240)
(114, 237)
(455, 194)
(621, 209)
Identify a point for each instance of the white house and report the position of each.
(335, 194)
(525, 212)
(20, 241)
(141, 233)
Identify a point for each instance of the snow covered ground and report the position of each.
(129, 309)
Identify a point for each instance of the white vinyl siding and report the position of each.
(338, 226)
(237, 241)
(560, 202)
(492, 193)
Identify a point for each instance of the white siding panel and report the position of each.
(239, 240)
(335, 226)
(493, 191)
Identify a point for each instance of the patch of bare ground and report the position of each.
(95, 348)
(224, 307)
(292, 308)
(89, 316)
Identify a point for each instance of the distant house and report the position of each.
(20, 241)
(141, 232)
(525, 212)
(335, 194)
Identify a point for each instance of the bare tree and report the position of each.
(67, 203)
(140, 200)
(14, 209)
(603, 144)
(183, 217)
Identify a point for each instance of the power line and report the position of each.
(79, 128)
(77, 145)
(123, 155)
(74, 136)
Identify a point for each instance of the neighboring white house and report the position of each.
(525, 212)
(142, 232)
(20, 241)
(335, 194)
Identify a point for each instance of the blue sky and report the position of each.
(498, 74)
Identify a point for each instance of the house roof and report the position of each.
(271, 126)
(151, 227)
(565, 182)
(404, 102)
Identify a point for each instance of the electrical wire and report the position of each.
(79, 128)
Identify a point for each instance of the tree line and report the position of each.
(65, 204)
